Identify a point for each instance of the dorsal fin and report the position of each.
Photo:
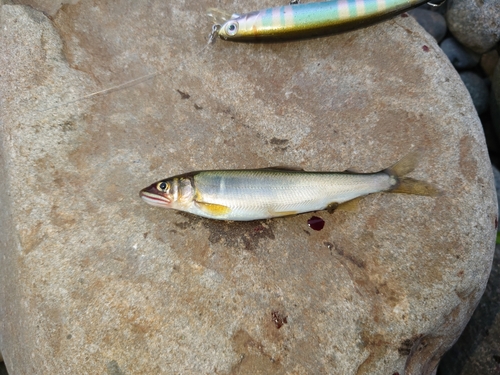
(285, 168)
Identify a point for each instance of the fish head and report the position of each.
(160, 194)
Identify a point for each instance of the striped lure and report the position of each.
(311, 19)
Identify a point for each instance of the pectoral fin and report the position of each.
(213, 209)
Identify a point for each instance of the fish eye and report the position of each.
(232, 28)
(163, 186)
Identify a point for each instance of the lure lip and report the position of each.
(155, 197)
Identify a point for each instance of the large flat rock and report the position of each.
(95, 281)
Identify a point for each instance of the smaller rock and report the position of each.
(489, 61)
(476, 24)
(460, 57)
(496, 176)
(3, 369)
(478, 90)
(478, 348)
(433, 22)
(495, 100)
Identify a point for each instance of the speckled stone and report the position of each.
(476, 24)
(478, 90)
(433, 22)
(95, 281)
(495, 100)
(460, 57)
(477, 351)
(489, 61)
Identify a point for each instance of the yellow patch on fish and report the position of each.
(213, 209)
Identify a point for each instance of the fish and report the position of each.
(309, 20)
(256, 194)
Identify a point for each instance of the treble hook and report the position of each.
(212, 37)
(436, 5)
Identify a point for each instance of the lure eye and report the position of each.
(232, 28)
(163, 186)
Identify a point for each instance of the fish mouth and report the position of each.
(154, 198)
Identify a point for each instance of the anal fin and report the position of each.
(350, 206)
(282, 213)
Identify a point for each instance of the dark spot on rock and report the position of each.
(279, 319)
(404, 15)
(425, 48)
(307, 232)
(113, 368)
(184, 95)
(67, 126)
(359, 263)
(332, 207)
(329, 245)
(69, 336)
(198, 107)
(460, 273)
(183, 225)
(316, 223)
(145, 235)
(278, 142)
(405, 347)
(239, 233)
(254, 359)
(496, 358)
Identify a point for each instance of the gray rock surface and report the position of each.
(460, 57)
(433, 22)
(96, 281)
(476, 24)
(478, 90)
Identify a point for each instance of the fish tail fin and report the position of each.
(408, 185)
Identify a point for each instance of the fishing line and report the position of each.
(211, 39)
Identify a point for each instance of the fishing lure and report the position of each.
(308, 20)
(253, 194)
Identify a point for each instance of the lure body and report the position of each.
(245, 195)
(311, 19)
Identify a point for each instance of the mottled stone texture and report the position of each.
(49, 7)
(95, 281)
(475, 23)
(477, 351)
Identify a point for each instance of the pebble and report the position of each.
(433, 22)
(495, 100)
(476, 24)
(489, 61)
(478, 90)
(460, 57)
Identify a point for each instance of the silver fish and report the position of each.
(254, 194)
